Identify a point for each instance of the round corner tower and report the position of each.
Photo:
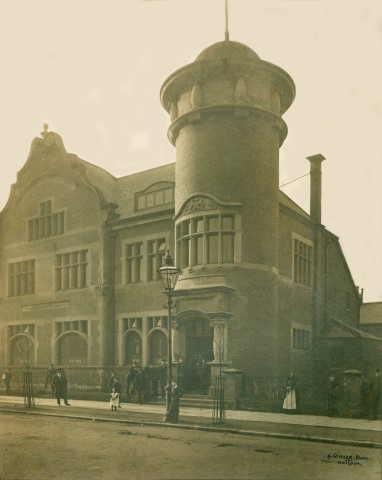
(226, 125)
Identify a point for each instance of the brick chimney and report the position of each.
(315, 187)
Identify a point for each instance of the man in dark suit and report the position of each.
(60, 386)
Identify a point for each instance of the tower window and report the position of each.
(205, 240)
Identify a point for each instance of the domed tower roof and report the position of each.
(227, 73)
(227, 50)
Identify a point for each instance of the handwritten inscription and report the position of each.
(342, 459)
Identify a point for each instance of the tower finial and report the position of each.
(226, 34)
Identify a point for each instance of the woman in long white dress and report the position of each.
(290, 400)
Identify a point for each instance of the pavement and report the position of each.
(339, 431)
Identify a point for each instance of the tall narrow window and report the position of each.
(155, 255)
(228, 236)
(198, 243)
(302, 268)
(21, 278)
(183, 237)
(133, 254)
(71, 270)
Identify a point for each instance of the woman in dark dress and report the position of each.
(174, 406)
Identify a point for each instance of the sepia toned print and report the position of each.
(203, 286)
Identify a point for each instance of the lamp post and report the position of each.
(169, 274)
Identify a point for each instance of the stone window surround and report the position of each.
(144, 253)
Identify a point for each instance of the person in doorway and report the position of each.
(49, 376)
(60, 386)
(7, 377)
(203, 373)
(290, 400)
(114, 399)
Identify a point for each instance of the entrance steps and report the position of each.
(189, 400)
(197, 401)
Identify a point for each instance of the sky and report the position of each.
(92, 70)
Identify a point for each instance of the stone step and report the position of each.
(197, 401)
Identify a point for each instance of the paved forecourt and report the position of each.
(309, 427)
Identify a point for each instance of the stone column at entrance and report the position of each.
(218, 342)
(219, 362)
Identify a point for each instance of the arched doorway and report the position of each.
(133, 348)
(72, 350)
(158, 347)
(199, 350)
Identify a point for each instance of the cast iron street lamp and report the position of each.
(169, 274)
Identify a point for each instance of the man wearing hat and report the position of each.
(60, 386)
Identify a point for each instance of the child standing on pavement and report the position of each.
(114, 399)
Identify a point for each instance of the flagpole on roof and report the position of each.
(226, 34)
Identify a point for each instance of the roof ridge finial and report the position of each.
(45, 132)
(226, 34)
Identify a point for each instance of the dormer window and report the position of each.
(161, 193)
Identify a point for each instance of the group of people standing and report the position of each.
(148, 382)
(143, 382)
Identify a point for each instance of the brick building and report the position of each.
(265, 287)
(371, 318)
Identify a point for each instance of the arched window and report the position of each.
(133, 348)
(72, 350)
(158, 347)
